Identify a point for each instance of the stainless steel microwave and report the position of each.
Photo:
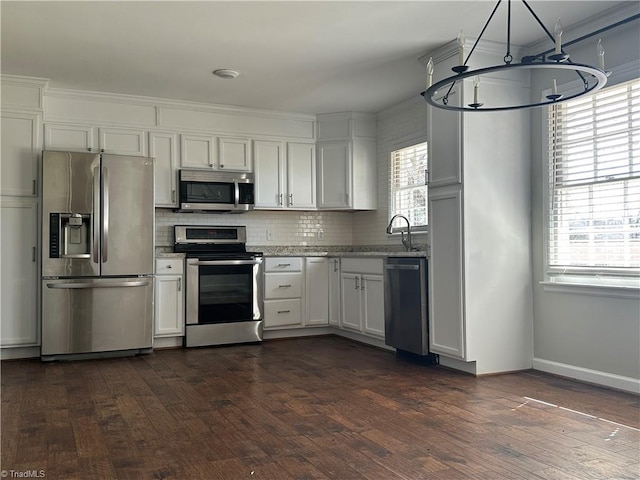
(204, 190)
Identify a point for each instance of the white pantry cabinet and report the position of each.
(347, 161)
(19, 304)
(363, 295)
(19, 152)
(88, 138)
(317, 291)
(169, 301)
(285, 175)
(480, 298)
(163, 147)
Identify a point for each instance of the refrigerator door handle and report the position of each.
(66, 285)
(95, 221)
(105, 214)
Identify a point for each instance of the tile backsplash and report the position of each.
(291, 228)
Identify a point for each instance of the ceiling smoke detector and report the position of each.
(226, 73)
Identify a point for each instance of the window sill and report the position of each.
(593, 290)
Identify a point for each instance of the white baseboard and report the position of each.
(605, 379)
(167, 342)
(19, 352)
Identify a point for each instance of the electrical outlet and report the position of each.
(320, 234)
(269, 235)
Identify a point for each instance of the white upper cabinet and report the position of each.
(163, 147)
(74, 137)
(198, 151)
(19, 152)
(285, 175)
(334, 174)
(347, 163)
(234, 154)
(269, 173)
(301, 175)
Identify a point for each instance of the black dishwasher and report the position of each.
(406, 305)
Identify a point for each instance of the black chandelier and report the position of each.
(593, 78)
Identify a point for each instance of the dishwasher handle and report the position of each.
(402, 267)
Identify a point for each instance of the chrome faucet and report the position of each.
(405, 241)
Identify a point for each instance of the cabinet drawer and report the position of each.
(283, 285)
(281, 313)
(362, 265)
(283, 264)
(169, 266)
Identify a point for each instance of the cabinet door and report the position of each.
(334, 291)
(317, 291)
(445, 140)
(19, 154)
(269, 170)
(19, 293)
(301, 175)
(169, 306)
(351, 301)
(446, 309)
(162, 146)
(197, 151)
(121, 141)
(75, 138)
(373, 305)
(234, 154)
(334, 175)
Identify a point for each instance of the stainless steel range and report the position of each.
(223, 285)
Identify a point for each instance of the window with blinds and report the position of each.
(408, 194)
(594, 183)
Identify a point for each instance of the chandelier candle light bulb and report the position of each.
(461, 48)
(558, 35)
(430, 72)
(554, 88)
(476, 85)
(600, 50)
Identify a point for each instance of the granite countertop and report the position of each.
(373, 251)
(337, 251)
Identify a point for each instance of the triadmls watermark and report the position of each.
(23, 473)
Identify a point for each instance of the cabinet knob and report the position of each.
(169, 266)
(221, 166)
(211, 165)
(102, 150)
(90, 149)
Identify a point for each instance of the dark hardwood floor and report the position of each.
(313, 408)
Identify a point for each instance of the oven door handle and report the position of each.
(225, 262)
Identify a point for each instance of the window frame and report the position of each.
(588, 281)
(391, 211)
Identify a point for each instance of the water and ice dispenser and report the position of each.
(69, 235)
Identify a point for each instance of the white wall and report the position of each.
(595, 338)
(397, 126)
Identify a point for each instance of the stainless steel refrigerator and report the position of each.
(97, 253)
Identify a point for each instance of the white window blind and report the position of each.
(594, 188)
(409, 186)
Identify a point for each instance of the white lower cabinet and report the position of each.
(334, 292)
(363, 296)
(317, 291)
(169, 298)
(283, 287)
(18, 254)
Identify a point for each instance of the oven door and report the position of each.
(223, 291)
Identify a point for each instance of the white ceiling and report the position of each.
(301, 56)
